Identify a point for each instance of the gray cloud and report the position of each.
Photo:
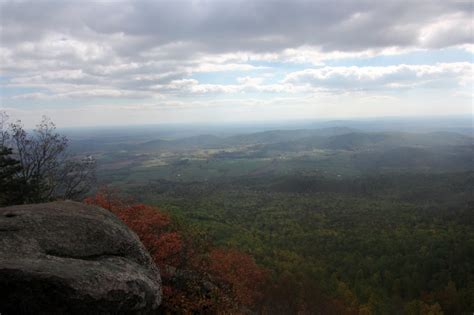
(144, 49)
(249, 25)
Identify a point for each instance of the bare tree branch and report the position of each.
(46, 165)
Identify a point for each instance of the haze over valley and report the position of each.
(236, 157)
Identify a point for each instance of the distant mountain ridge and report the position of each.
(330, 138)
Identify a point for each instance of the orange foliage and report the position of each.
(240, 272)
(193, 280)
(151, 226)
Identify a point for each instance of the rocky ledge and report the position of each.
(67, 257)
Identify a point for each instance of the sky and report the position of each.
(93, 63)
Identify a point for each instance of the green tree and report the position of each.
(13, 189)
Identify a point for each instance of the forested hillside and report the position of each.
(387, 243)
(345, 220)
(273, 156)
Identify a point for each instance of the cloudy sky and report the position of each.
(134, 62)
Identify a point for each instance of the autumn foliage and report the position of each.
(196, 276)
(240, 271)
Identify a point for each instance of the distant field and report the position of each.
(367, 217)
(351, 158)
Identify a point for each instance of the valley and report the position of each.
(373, 219)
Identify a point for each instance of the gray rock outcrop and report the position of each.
(67, 257)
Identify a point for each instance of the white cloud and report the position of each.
(54, 50)
(398, 76)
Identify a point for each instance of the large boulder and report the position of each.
(67, 257)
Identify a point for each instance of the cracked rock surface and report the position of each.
(67, 257)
